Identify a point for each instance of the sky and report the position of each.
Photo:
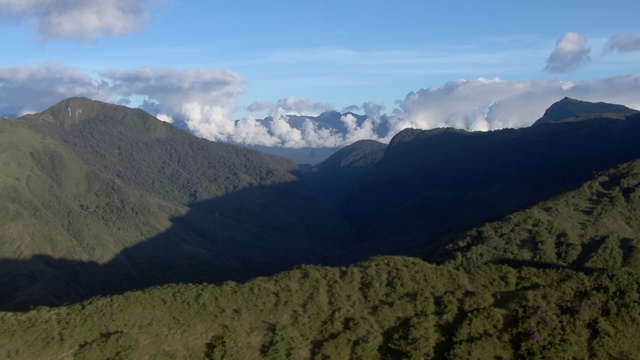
(218, 67)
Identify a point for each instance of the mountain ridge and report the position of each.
(569, 109)
(453, 178)
(158, 198)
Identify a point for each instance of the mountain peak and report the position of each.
(78, 109)
(74, 109)
(568, 108)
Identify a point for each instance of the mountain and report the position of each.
(302, 156)
(556, 277)
(569, 109)
(335, 177)
(101, 199)
(556, 280)
(430, 183)
(592, 227)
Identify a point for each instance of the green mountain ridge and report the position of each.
(593, 227)
(569, 109)
(101, 199)
(469, 306)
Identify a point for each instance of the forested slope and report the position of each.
(596, 226)
(558, 280)
(98, 199)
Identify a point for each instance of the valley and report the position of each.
(119, 231)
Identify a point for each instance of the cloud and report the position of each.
(570, 54)
(372, 109)
(178, 91)
(203, 101)
(198, 99)
(25, 89)
(84, 20)
(351, 108)
(260, 105)
(490, 104)
(293, 106)
(279, 130)
(622, 42)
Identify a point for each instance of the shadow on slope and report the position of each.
(256, 231)
(432, 183)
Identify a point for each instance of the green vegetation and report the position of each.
(595, 227)
(51, 203)
(569, 109)
(394, 308)
(557, 280)
(100, 199)
(128, 221)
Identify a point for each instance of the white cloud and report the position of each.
(23, 89)
(622, 42)
(351, 108)
(570, 54)
(79, 19)
(260, 105)
(490, 104)
(372, 109)
(204, 100)
(166, 118)
(293, 106)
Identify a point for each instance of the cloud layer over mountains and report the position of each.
(203, 101)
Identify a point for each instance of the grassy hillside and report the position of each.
(558, 280)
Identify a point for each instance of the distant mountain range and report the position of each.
(98, 199)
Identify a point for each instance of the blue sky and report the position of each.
(207, 63)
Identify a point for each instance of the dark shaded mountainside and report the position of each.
(560, 279)
(100, 199)
(335, 177)
(434, 182)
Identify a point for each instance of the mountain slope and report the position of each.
(51, 203)
(557, 280)
(101, 199)
(595, 226)
(154, 156)
(540, 304)
(335, 177)
(430, 183)
(568, 108)
(383, 308)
